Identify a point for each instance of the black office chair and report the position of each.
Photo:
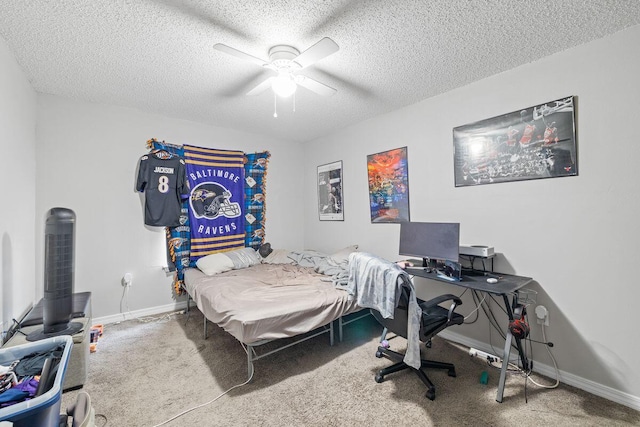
(434, 319)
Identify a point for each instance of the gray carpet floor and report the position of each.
(146, 372)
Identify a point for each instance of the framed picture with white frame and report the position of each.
(330, 192)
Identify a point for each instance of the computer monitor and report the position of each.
(430, 240)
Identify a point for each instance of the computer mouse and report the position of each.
(492, 280)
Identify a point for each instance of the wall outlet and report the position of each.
(542, 315)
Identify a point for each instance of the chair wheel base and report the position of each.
(379, 378)
(451, 372)
(431, 394)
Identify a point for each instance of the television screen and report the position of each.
(433, 240)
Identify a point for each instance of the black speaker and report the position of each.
(59, 266)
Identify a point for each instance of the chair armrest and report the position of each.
(440, 299)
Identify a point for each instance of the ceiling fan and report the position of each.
(286, 61)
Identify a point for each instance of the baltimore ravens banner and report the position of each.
(216, 180)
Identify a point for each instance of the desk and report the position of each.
(507, 285)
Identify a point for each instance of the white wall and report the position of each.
(87, 156)
(576, 236)
(17, 173)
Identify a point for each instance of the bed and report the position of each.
(286, 296)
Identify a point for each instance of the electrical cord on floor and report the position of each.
(161, 319)
(144, 319)
(212, 400)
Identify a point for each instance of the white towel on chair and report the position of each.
(375, 283)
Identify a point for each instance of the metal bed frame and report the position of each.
(253, 355)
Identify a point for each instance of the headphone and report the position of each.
(519, 327)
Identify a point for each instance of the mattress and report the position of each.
(268, 301)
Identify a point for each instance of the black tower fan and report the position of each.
(59, 239)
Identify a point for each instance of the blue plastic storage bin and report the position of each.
(44, 410)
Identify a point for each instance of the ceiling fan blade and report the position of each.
(352, 86)
(261, 87)
(322, 49)
(235, 52)
(315, 86)
(199, 13)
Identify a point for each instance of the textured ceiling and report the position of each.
(158, 55)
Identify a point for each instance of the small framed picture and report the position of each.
(330, 192)
(388, 176)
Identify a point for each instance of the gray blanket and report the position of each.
(307, 258)
(376, 283)
(337, 271)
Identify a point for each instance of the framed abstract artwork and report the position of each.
(388, 177)
(532, 143)
(330, 192)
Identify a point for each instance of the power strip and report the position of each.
(484, 356)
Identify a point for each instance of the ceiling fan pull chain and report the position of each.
(275, 105)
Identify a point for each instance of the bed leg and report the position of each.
(331, 333)
(340, 328)
(205, 327)
(188, 311)
(249, 362)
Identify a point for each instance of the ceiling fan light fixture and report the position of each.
(286, 61)
(284, 85)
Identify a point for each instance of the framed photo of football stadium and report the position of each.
(388, 177)
(330, 196)
(532, 143)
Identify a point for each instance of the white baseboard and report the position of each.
(151, 311)
(592, 387)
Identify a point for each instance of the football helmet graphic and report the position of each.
(211, 200)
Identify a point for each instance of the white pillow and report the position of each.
(214, 264)
(343, 254)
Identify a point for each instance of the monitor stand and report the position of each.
(430, 263)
